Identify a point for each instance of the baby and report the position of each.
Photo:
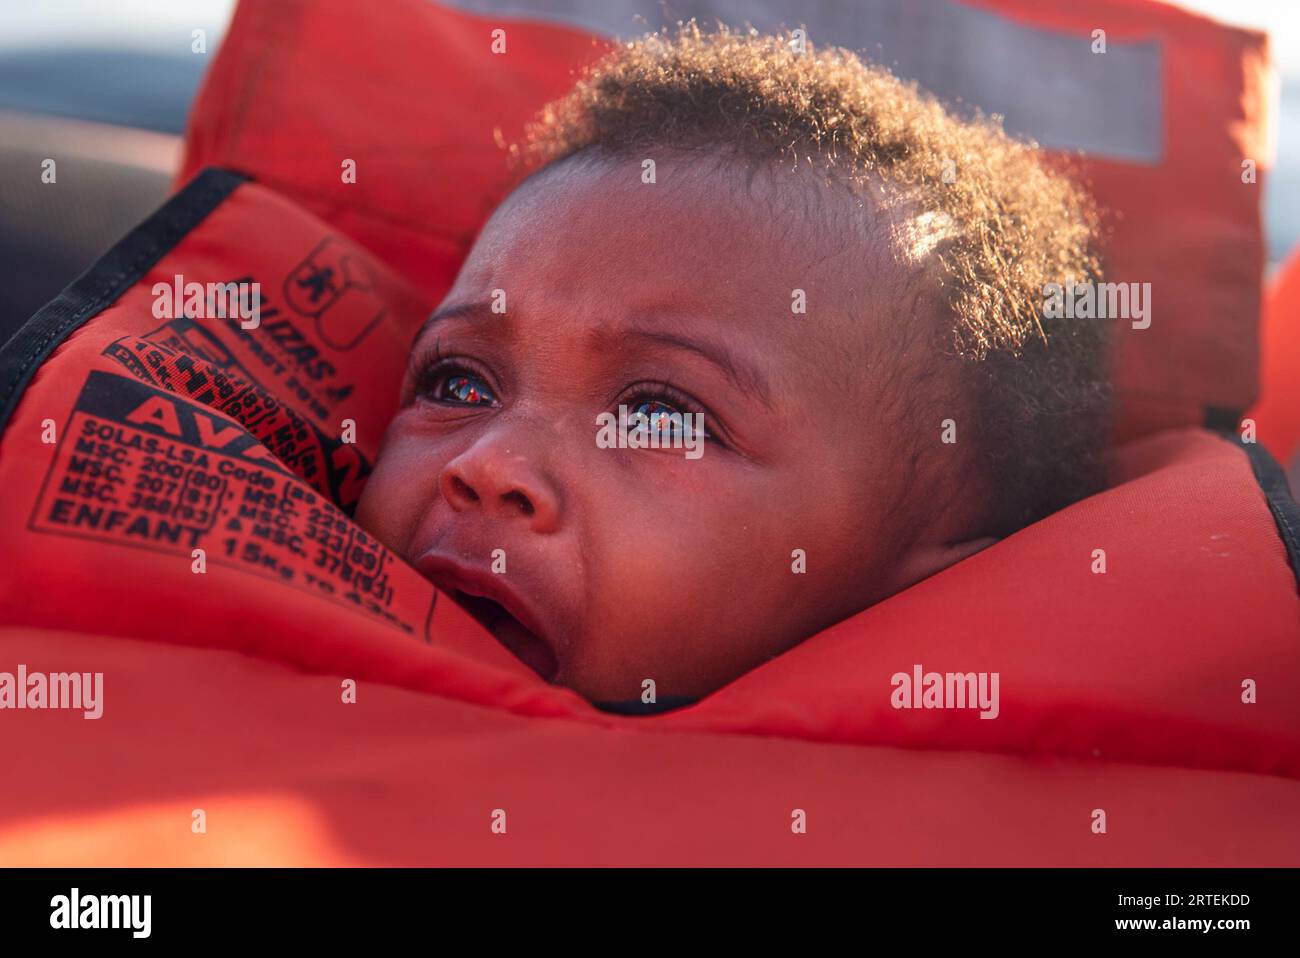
(760, 344)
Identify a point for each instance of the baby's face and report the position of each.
(627, 564)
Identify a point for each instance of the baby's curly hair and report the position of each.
(997, 224)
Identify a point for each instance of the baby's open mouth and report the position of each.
(527, 646)
(498, 607)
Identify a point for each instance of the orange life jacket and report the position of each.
(319, 703)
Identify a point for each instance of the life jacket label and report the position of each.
(140, 466)
(185, 358)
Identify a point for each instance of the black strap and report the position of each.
(111, 275)
(1281, 502)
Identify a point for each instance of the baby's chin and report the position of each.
(601, 665)
(608, 671)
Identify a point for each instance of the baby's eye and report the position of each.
(656, 417)
(462, 388)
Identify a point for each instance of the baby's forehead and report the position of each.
(848, 210)
(795, 275)
(765, 235)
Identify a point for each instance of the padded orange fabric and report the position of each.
(412, 92)
(288, 776)
(1277, 415)
(222, 690)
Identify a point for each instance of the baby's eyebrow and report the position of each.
(454, 311)
(743, 375)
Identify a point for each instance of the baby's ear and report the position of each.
(924, 561)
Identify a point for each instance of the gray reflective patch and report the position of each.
(1048, 86)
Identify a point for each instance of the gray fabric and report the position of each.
(1049, 86)
(49, 233)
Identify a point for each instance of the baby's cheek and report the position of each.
(681, 585)
(370, 514)
(393, 500)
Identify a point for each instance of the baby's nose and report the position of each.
(503, 484)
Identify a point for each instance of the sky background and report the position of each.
(1281, 19)
(146, 22)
